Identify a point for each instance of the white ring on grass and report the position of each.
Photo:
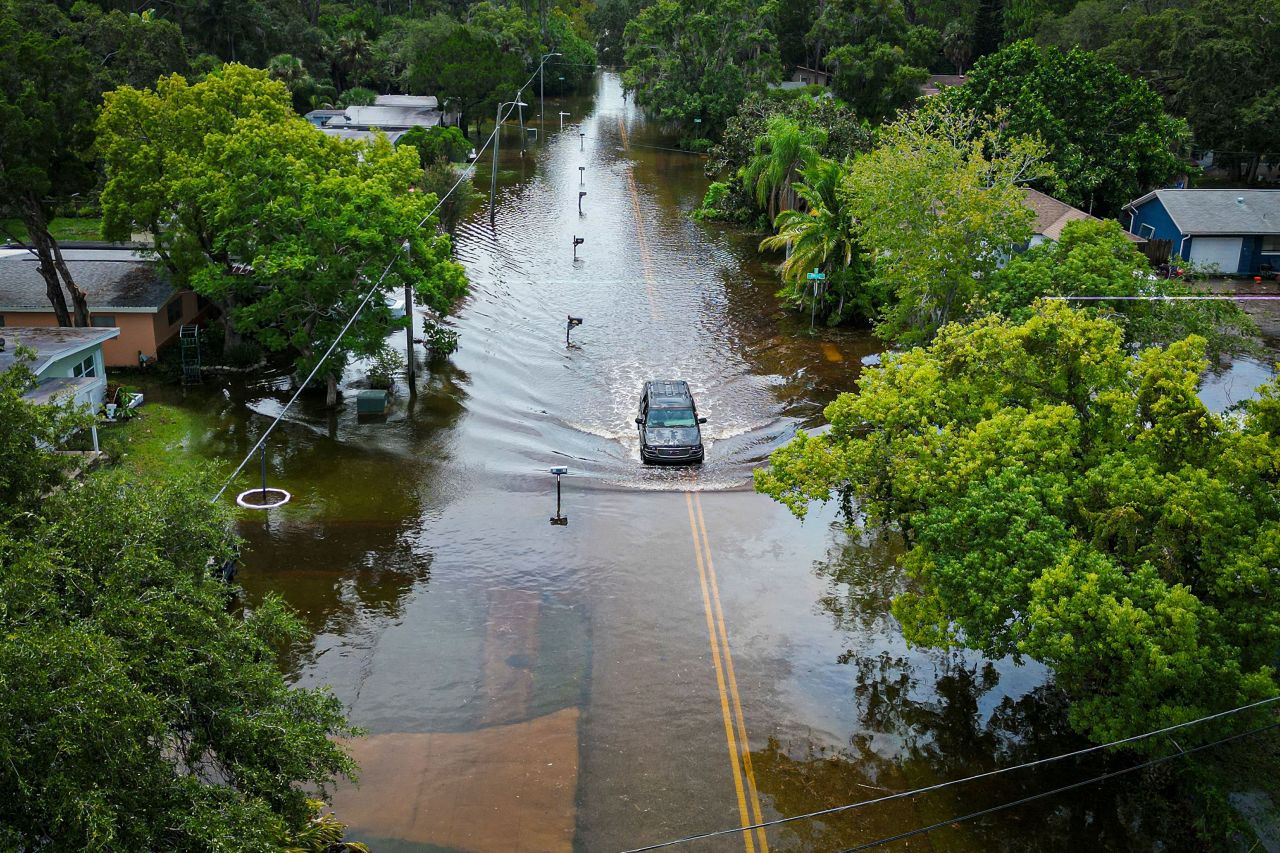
(243, 498)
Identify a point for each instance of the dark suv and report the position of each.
(668, 423)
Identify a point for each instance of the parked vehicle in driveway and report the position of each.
(669, 424)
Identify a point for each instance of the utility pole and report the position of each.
(410, 371)
(493, 176)
(542, 89)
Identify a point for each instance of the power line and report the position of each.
(1091, 781)
(466, 175)
(941, 785)
(1226, 297)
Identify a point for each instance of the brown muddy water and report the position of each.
(527, 686)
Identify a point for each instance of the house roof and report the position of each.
(356, 133)
(57, 389)
(428, 102)
(117, 280)
(1227, 212)
(387, 117)
(1053, 215)
(935, 83)
(50, 343)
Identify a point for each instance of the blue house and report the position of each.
(1236, 232)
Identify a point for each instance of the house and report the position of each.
(1052, 216)
(392, 114)
(320, 117)
(935, 83)
(1236, 232)
(810, 76)
(124, 291)
(68, 365)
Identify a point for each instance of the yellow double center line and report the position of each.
(735, 726)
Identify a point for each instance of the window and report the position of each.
(88, 367)
(668, 418)
(103, 321)
(1, 321)
(175, 310)
(1271, 244)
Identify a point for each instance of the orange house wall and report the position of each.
(145, 332)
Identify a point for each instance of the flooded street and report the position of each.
(683, 656)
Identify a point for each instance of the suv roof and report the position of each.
(665, 393)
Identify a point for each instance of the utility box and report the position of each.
(372, 402)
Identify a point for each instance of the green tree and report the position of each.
(875, 78)
(845, 134)
(465, 66)
(1095, 258)
(781, 153)
(286, 229)
(436, 145)
(939, 205)
(1064, 500)
(140, 710)
(1107, 134)
(957, 44)
(699, 60)
(47, 97)
(822, 235)
(131, 49)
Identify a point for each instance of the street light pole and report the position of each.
(542, 91)
(493, 176)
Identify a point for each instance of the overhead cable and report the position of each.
(953, 782)
(466, 175)
(880, 842)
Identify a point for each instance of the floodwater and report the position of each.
(682, 656)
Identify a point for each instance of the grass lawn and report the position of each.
(62, 228)
(157, 443)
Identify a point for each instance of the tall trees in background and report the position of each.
(1107, 134)
(47, 98)
(693, 63)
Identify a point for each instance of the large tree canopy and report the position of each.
(140, 711)
(1064, 500)
(1108, 137)
(285, 228)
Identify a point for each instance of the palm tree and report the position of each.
(289, 70)
(782, 152)
(822, 236)
(352, 53)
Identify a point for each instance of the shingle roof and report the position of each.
(1219, 211)
(1053, 215)
(50, 343)
(113, 280)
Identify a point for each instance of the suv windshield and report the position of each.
(671, 418)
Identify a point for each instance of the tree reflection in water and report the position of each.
(927, 716)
